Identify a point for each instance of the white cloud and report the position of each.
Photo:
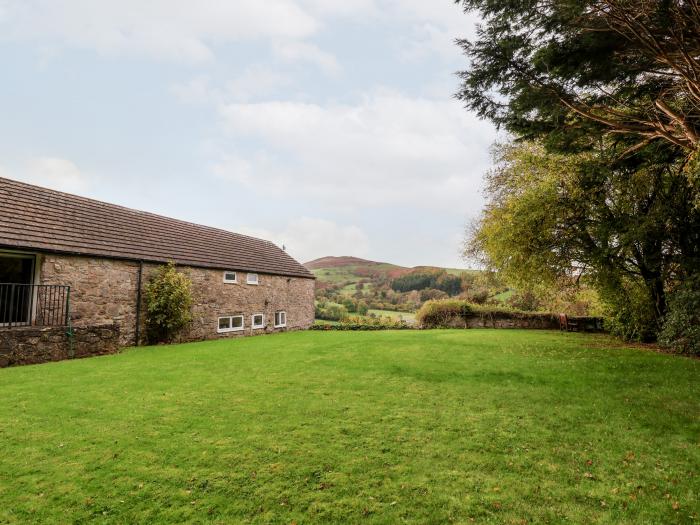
(427, 40)
(294, 51)
(51, 172)
(185, 30)
(342, 8)
(170, 29)
(387, 150)
(196, 91)
(309, 238)
(255, 82)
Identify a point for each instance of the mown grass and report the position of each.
(383, 427)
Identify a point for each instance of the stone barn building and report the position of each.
(72, 273)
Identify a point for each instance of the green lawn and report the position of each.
(373, 427)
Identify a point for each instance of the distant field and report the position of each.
(351, 289)
(335, 275)
(504, 296)
(322, 322)
(418, 427)
(395, 316)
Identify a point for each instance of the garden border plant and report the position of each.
(168, 302)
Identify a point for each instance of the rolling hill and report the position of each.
(353, 269)
(388, 290)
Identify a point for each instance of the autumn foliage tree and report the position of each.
(602, 98)
(551, 218)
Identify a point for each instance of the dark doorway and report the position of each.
(16, 272)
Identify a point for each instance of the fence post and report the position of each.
(12, 302)
(68, 306)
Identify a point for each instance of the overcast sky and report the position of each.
(326, 125)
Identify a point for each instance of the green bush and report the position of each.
(629, 312)
(357, 323)
(362, 308)
(440, 313)
(681, 325)
(331, 312)
(443, 314)
(168, 302)
(432, 294)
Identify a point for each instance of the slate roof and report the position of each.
(38, 218)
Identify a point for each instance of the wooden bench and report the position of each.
(568, 325)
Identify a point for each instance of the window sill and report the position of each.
(229, 330)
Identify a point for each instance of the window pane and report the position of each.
(283, 318)
(237, 322)
(257, 320)
(224, 323)
(252, 277)
(230, 276)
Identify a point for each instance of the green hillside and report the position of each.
(351, 270)
(350, 286)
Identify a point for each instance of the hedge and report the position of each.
(364, 324)
(444, 313)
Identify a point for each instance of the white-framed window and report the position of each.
(258, 321)
(230, 323)
(252, 278)
(280, 319)
(230, 277)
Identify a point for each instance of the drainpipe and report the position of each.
(138, 304)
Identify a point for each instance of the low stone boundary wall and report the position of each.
(506, 320)
(33, 345)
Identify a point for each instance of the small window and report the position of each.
(258, 321)
(231, 323)
(230, 277)
(280, 319)
(252, 278)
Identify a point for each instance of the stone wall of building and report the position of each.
(105, 291)
(213, 298)
(33, 345)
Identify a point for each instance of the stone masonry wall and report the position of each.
(105, 291)
(33, 345)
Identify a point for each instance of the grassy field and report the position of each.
(394, 316)
(349, 273)
(504, 296)
(470, 426)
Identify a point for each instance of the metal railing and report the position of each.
(34, 305)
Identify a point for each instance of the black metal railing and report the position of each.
(34, 305)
